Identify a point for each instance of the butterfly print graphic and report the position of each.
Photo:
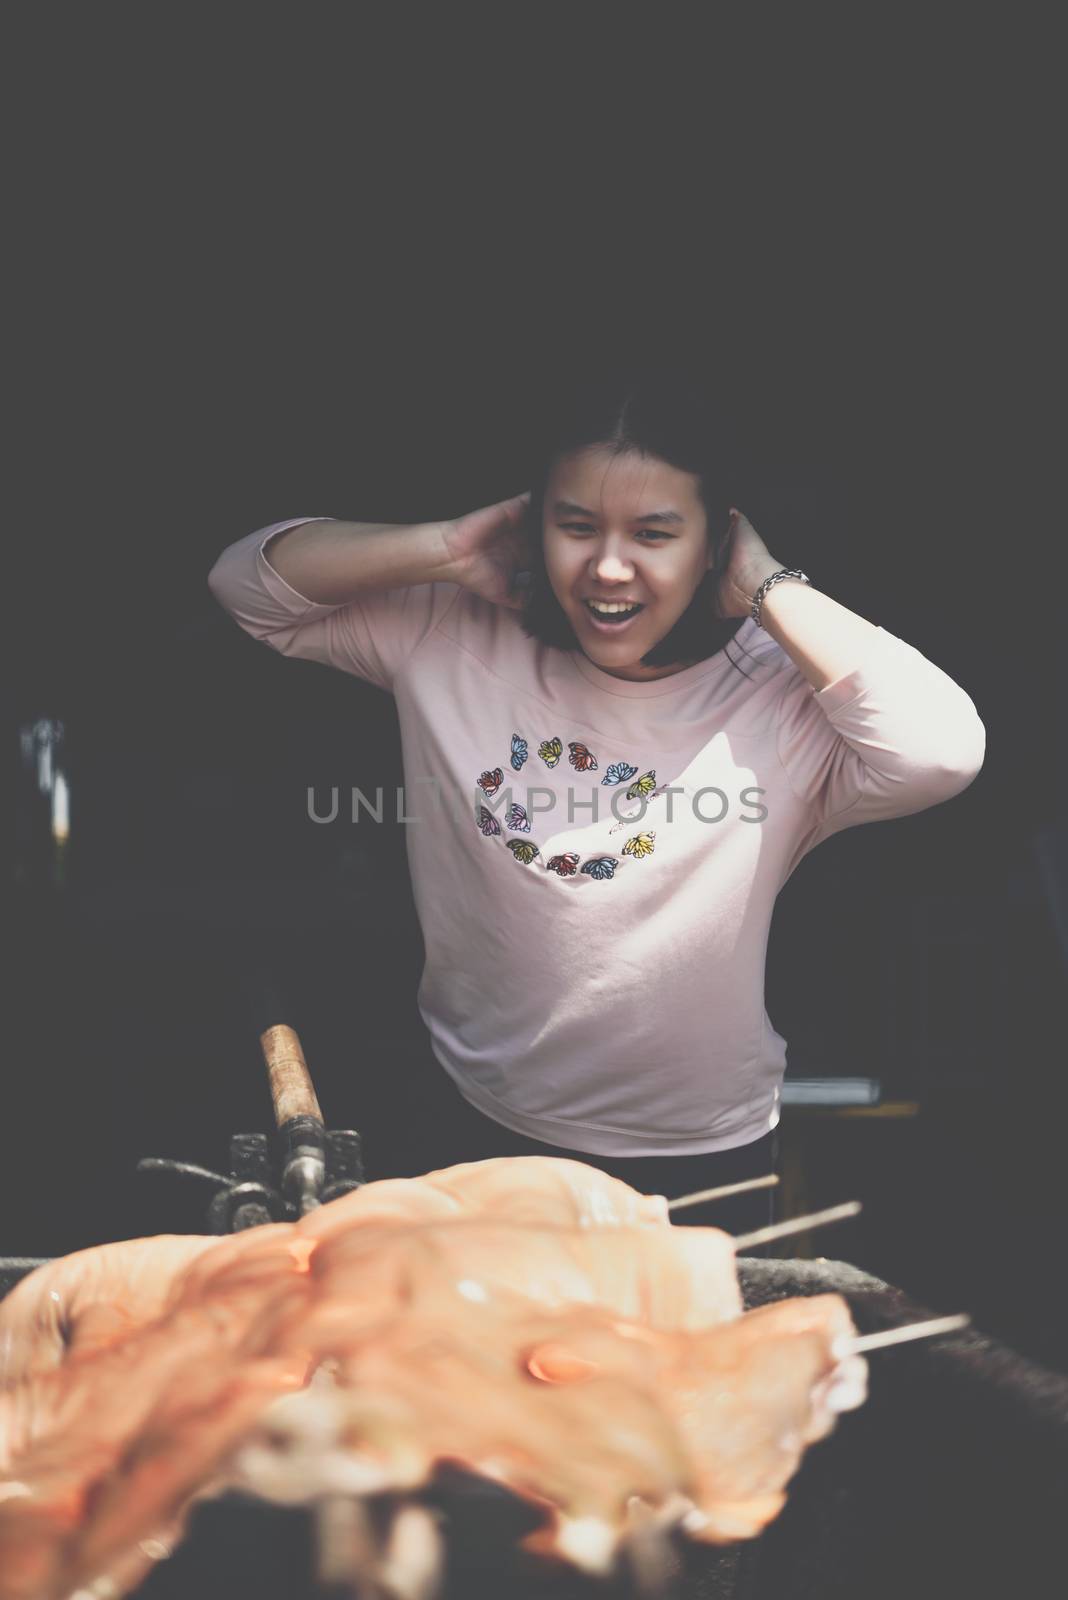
(550, 751)
(581, 758)
(519, 751)
(564, 865)
(600, 867)
(490, 782)
(517, 819)
(618, 772)
(487, 822)
(523, 850)
(640, 845)
(645, 784)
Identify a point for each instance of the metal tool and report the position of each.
(308, 1165)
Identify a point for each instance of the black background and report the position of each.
(313, 267)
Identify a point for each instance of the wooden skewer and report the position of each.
(701, 1195)
(931, 1329)
(783, 1230)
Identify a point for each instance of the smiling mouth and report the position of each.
(612, 616)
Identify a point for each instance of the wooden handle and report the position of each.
(291, 1085)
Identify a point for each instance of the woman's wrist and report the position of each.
(745, 584)
(755, 575)
(767, 588)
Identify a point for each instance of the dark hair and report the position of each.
(664, 411)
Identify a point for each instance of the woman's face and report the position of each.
(617, 529)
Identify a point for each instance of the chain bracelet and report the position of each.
(776, 577)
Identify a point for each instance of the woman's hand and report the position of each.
(488, 548)
(749, 562)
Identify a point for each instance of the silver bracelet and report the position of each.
(776, 577)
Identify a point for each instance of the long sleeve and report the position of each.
(892, 737)
(370, 637)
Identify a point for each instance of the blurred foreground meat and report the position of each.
(585, 1355)
(88, 1300)
(530, 1189)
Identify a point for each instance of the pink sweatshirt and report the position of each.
(595, 862)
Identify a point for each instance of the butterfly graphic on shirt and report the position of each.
(581, 758)
(600, 867)
(644, 786)
(488, 823)
(517, 819)
(640, 845)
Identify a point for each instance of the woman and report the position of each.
(623, 725)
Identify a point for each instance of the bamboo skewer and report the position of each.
(783, 1230)
(932, 1328)
(769, 1181)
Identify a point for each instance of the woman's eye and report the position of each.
(647, 535)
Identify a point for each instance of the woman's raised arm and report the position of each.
(361, 596)
(330, 562)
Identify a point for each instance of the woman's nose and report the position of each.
(608, 567)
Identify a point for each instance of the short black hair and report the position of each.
(664, 409)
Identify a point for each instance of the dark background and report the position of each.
(303, 271)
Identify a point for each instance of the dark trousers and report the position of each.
(432, 1125)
